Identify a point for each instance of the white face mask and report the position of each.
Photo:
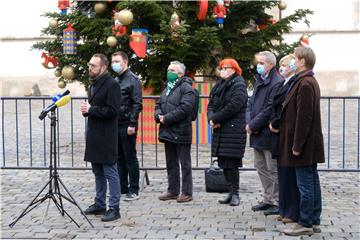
(223, 74)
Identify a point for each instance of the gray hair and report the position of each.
(269, 56)
(181, 66)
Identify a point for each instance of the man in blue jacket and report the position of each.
(257, 118)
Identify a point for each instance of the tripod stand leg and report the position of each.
(57, 190)
(74, 202)
(46, 212)
(144, 177)
(62, 210)
(33, 202)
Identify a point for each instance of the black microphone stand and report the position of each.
(54, 187)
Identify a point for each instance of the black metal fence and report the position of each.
(24, 138)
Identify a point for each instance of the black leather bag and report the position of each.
(215, 179)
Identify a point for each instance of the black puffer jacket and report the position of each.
(177, 110)
(227, 106)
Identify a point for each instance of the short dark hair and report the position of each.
(122, 54)
(103, 59)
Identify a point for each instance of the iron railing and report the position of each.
(24, 138)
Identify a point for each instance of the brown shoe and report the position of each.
(298, 230)
(286, 220)
(279, 218)
(184, 198)
(168, 196)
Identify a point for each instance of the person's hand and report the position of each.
(248, 130)
(84, 107)
(216, 125)
(274, 130)
(213, 125)
(296, 153)
(161, 118)
(131, 130)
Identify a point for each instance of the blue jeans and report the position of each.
(308, 182)
(103, 173)
(128, 164)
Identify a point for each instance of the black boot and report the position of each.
(227, 200)
(235, 200)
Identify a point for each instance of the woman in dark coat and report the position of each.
(288, 190)
(226, 115)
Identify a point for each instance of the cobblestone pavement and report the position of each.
(150, 218)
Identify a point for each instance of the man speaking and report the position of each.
(102, 110)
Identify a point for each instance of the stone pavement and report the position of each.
(150, 218)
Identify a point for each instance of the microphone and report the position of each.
(59, 95)
(65, 99)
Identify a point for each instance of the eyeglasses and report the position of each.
(225, 68)
(91, 65)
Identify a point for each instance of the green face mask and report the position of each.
(171, 76)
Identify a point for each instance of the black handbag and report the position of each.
(215, 179)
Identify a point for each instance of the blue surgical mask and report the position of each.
(116, 67)
(292, 65)
(260, 69)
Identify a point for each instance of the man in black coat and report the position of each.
(102, 110)
(174, 112)
(131, 106)
(257, 118)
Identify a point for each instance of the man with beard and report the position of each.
(102, 110)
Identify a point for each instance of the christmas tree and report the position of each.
(153, 33)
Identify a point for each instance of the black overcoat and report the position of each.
(102, 126)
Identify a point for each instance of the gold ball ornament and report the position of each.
(100, 7)
(57, 73)
(61, 84)
(111, 41)
(125, 16)
(68, 72)
(53, 23)
(282, 5)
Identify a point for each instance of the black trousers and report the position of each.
(178, 153)
(128, 164)
(232, 177)
(288, 193)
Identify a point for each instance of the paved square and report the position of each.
(150, 218)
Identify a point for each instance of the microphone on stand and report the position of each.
(65, 99)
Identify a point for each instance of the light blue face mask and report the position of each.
(116, 67)
(260, 69)
(292, 65)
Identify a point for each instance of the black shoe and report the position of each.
(273, 210)
(226, 200)
(94, 210)
(111, 215)
(261, 207)
(235, 200)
